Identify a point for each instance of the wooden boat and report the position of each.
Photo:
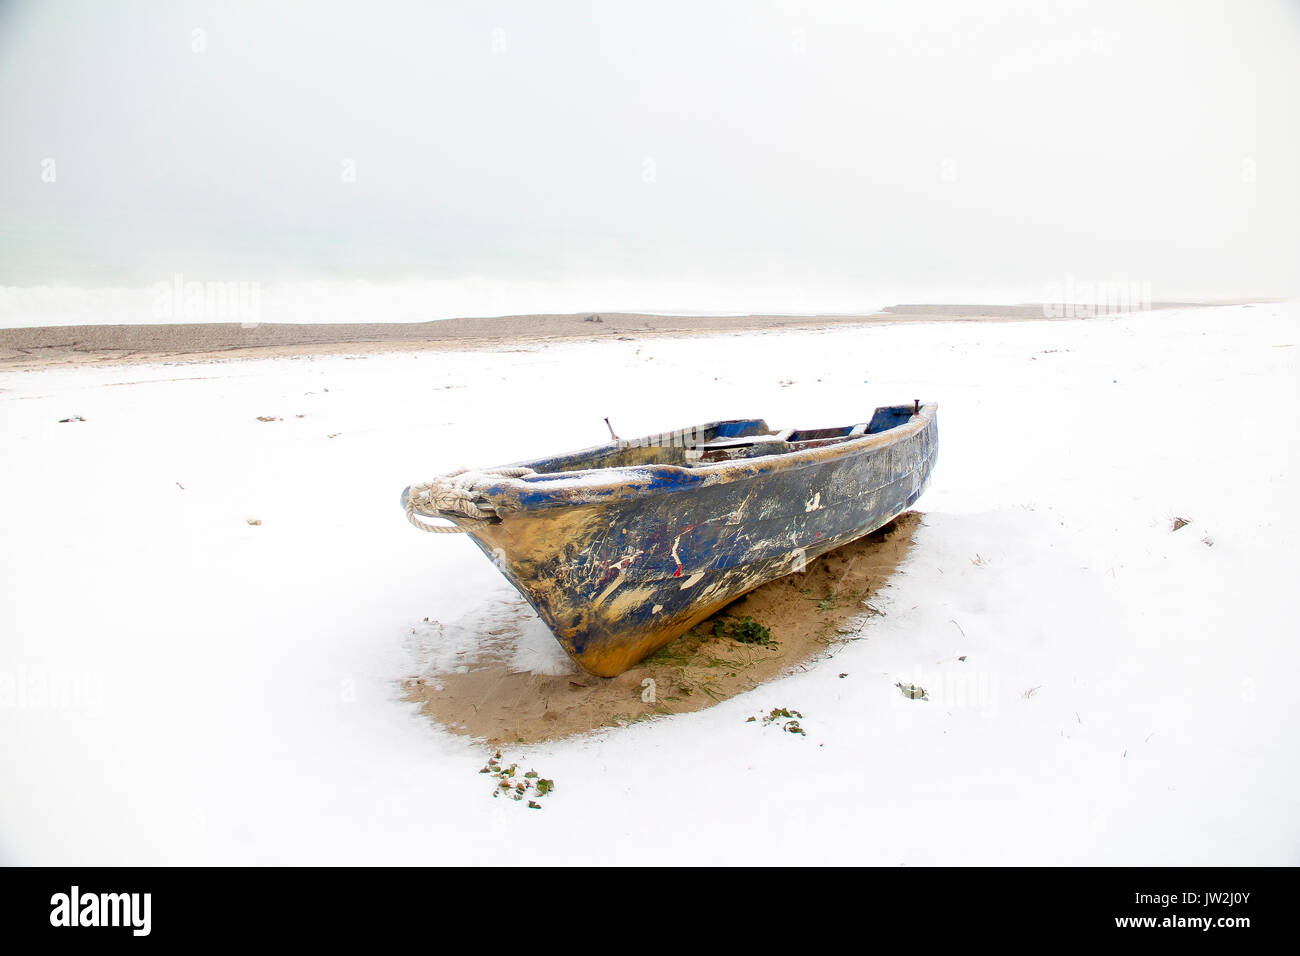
(623, 547)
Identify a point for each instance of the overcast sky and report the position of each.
(903, 145)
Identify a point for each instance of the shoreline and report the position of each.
(42, 347)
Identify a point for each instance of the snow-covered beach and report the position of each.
(178, 685)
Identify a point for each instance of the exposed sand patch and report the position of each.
(810, 614)
(91, 345)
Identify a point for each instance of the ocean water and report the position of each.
(188, 298)
(114, 275)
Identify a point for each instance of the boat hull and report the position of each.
(617, 578)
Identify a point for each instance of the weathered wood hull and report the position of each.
(620, 567)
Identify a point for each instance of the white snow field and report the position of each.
(179, 686)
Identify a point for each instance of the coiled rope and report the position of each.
(454, 493)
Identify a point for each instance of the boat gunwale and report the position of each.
(573, 488)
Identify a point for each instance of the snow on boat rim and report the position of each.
(589, 485)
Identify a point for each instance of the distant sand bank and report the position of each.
(34, 348)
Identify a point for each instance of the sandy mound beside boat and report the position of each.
(807, 616)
